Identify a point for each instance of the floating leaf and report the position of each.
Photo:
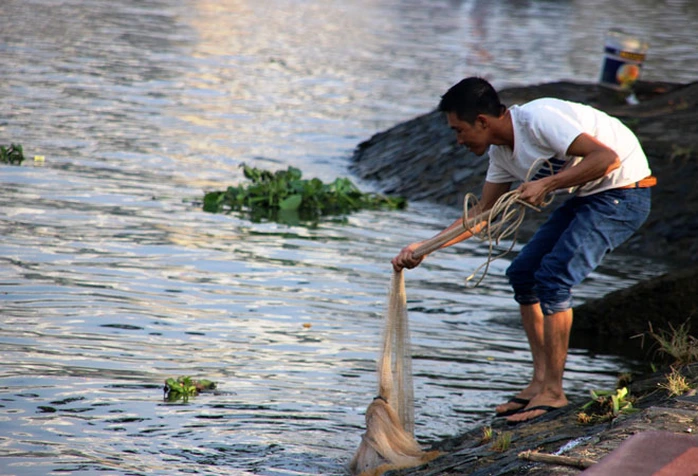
(291, 203)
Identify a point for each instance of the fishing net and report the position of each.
(395, 365)
(388, 442)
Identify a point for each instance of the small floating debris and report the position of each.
(184, 387)
(12, 154)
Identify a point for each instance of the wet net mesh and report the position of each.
(395, 365)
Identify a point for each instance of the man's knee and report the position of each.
(553, 294)
(523, 283)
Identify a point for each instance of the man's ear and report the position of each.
(483, 120)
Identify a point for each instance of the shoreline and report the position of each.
(561, 434)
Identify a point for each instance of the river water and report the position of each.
(113, 279)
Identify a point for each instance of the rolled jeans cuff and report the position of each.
(549, 308)
(526, 299)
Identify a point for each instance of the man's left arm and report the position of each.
(597, 161)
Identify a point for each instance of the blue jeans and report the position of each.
(572, 243)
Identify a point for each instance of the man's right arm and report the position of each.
(490, 194)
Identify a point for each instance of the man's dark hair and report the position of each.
(471, 97)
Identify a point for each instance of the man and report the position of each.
(589, 154)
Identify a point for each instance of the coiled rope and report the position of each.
(494, 225)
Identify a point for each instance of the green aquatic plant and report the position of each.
(184, 387)
(284, 195)
(11, 155)
(606, 405)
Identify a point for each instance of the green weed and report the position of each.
(285, 196)
(182, 388)
(502, 442)
(678, 343)
(11, 155)
(487, 434)
(606, 405)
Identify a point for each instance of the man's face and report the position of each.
(473, 136)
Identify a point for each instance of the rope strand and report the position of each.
(503, 220)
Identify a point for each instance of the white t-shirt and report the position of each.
(545, 128)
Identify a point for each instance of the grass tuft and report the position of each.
(486, 435)
(502, 442)
(676, 384)
(678, 343)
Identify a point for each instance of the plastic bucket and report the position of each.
(623, 57)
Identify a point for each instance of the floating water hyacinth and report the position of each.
(284, 193)
(11, 155)
(182, 388)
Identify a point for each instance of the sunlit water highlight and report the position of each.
(113, 279)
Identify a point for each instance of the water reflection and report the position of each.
(112, 278)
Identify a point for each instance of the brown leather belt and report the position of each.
(649, 181)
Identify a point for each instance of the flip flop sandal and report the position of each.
(547, 408)
(517, 400)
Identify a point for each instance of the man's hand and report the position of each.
(534, 192)
(406, 258)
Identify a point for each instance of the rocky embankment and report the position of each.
(419, 159)
(657, 415)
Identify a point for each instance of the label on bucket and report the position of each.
(628, 55)
(623, 57)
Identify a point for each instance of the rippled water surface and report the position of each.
(112, 279)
